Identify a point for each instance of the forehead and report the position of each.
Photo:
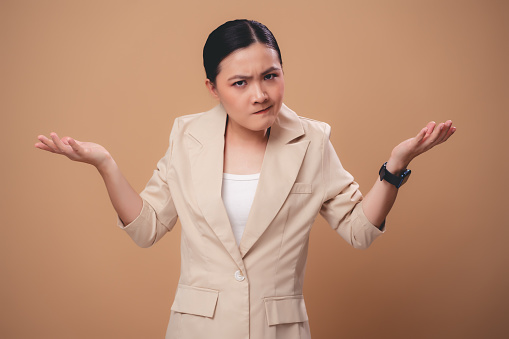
(253, 59)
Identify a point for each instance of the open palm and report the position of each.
(82, 151)
(428, 137)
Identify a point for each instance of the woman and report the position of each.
(247, 179)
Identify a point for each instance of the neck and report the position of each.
(243, 136)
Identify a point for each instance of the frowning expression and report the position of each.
(250, 86)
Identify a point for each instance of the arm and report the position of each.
(378, 202)
(127, 203)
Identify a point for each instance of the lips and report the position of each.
(265, 110)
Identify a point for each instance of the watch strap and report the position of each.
(396, 180)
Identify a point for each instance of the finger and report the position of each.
(75, 145)
(421, 134)
(42, 146)
(436, 134)
(47, 142)
(429, 129)
(444, 132)
(60, 145)
(449, 133)
(65, 140)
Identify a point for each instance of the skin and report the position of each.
(125, 200)
(250, 86)
(380, 199)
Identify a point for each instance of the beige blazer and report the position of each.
(253, 290)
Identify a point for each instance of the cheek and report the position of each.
(279, 88)
(230, 97)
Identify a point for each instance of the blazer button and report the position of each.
(239, 276)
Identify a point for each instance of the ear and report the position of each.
(212, 88)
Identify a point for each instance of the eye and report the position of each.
(239, 83)
(270, 76)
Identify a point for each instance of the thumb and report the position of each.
(420, 136)
(65, 140)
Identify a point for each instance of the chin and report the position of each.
(261, 125)
(269, 123)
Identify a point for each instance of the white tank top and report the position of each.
(238, 193)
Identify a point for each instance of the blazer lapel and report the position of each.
(205, 143)
(281, 164)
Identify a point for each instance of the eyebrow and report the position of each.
(268, 70)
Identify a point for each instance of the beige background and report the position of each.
(119, 72)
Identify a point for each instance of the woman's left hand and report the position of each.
(428, 137)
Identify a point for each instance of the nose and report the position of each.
(259, 94)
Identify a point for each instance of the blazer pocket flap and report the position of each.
(285, 310)
(195, 300)
(301, 188)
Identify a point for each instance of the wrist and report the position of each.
(394, 178)
(396, 166)
(107, 166)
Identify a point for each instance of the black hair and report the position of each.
(231, 36)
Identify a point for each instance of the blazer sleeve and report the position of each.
(342, 203)
(158, 214)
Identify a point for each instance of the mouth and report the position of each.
(263, 110)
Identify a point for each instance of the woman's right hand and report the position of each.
(87, 152)
(125, 200)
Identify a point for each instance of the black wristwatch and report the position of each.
(396, 180)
